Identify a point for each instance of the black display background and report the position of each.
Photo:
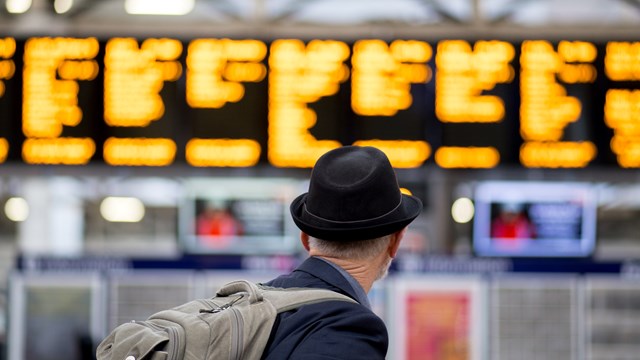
(248, 118)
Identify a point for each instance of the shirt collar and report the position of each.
(361, 295)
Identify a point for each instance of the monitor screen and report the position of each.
(534, 219)
(237, 216)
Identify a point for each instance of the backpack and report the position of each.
(235, 324)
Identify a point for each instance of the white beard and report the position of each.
(384, 270)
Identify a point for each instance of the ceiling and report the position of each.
(337, 18)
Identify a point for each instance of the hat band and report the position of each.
(304, 208)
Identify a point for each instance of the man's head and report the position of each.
(354, 209)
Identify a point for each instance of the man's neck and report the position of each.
(364, 273)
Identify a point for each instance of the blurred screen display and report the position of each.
(534, 219)
(237, 216)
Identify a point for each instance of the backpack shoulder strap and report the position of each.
(283, 299)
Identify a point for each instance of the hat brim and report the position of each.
(325, 229)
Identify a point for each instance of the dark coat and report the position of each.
(328, 330)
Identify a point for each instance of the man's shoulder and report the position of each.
(332, 312)
(322, 309)
(330, 329)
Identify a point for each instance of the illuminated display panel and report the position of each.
(465, 75)
(381, 94)
(7, 73)
(534, 219)
(134, 76)
(52, 70)
(622, 102)
(301, 74)
(546, 109)
(383, 74)
(224, 85)
(221, 102)
(238, 216)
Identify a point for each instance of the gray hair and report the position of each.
(353, 250)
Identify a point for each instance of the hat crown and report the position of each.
(353, 184)
(353, 195)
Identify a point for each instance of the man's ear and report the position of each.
(304, 239)
(394, 244)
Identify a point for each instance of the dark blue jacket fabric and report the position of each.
(327, 330)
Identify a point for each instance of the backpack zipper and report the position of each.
(217, 308)
(237, 326)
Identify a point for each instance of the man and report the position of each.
(351, 220)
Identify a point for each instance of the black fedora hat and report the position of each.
(353, 195)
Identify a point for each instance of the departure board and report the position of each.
(218, 102)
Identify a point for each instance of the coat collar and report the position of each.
(328, 272)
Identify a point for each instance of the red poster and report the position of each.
(438, 325)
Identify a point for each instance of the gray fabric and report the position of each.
(235, 324)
